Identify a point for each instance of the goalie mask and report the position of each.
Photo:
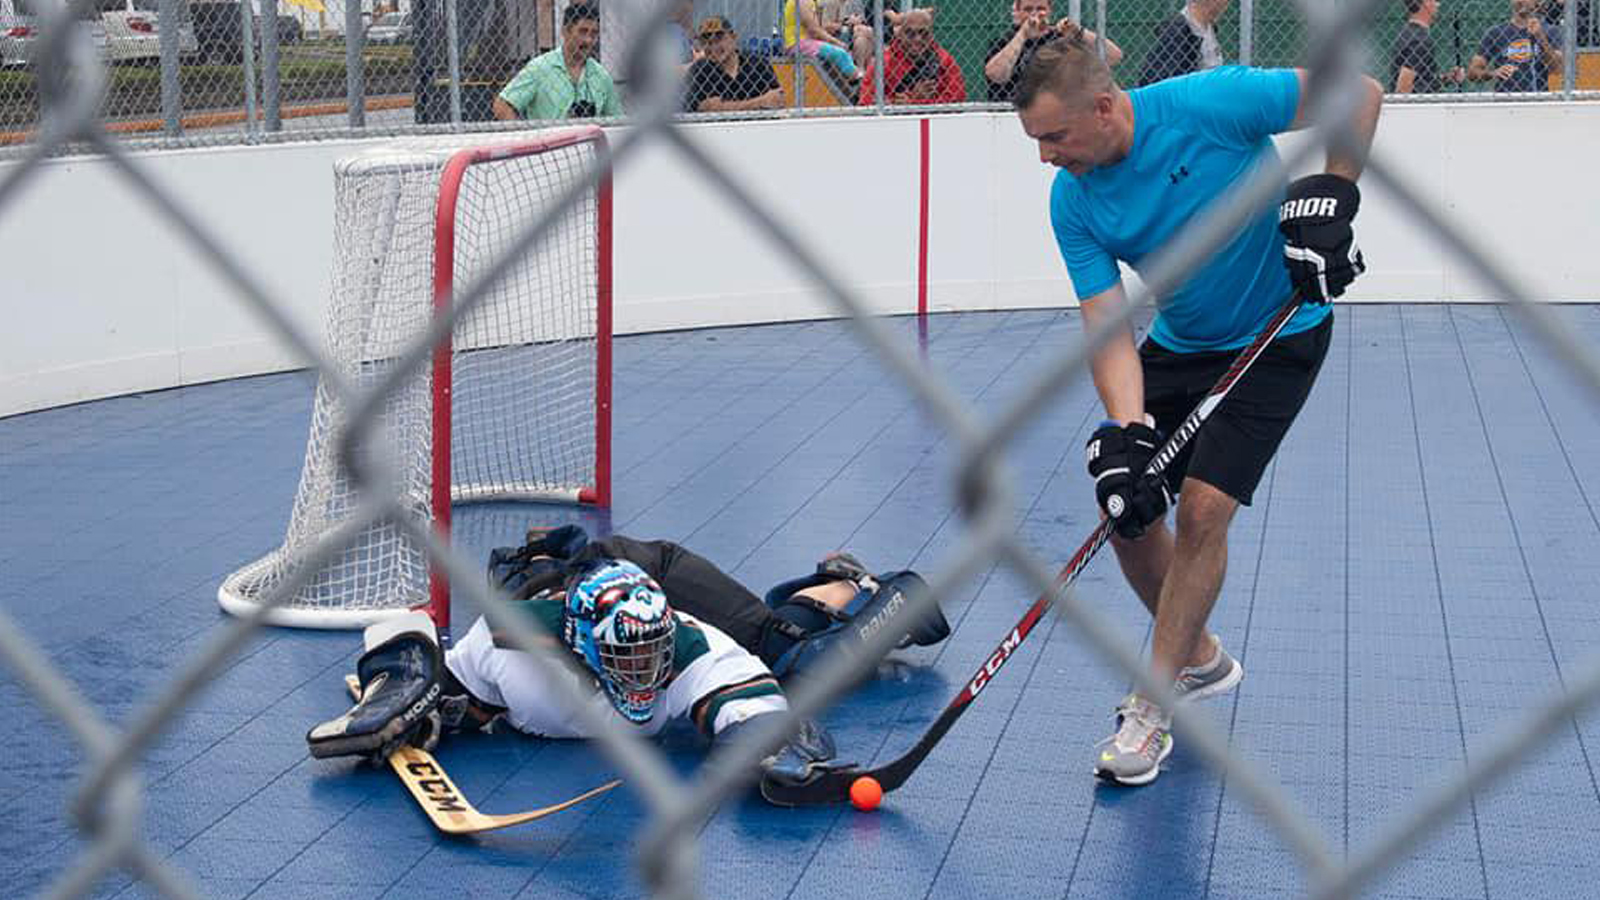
(618, 622)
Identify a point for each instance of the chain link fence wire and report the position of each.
(75, 82)
(198, 72)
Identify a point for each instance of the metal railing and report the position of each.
(106, 809)
(195, 72)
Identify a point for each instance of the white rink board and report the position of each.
(103, 298)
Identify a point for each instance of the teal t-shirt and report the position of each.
(1192, 137)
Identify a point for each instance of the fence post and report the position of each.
(1569, 48)
(355, 89)
(1247, 31)
(247, 34)
(797, 57)
(452, 41)
(1100, 28)
(271, 96)
(877, 55)
(168, 12)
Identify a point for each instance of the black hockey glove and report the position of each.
(1118, 457)
(1320, 247)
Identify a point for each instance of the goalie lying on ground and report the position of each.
(649, 659)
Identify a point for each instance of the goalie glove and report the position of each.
(1319, 245)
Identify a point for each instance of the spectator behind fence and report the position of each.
(567, 82)
(727, 79)
(915, 68)
(804, 33)
(851, 22)
(1009, 53)
(1186, 42)
(1414, 70)
(1518, 55)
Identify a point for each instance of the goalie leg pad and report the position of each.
(400, 693)
(895, 590)
(875, 603)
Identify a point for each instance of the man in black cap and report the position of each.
(727, 79)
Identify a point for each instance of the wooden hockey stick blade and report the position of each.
(446, 806)
(449, 809)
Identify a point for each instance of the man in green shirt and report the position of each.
(567, 82)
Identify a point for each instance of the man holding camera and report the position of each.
(567, 82)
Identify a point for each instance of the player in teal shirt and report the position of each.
(1135, 168)
(1194, 136)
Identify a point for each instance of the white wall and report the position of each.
(102, 295)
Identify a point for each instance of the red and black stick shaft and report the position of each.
(834, 787)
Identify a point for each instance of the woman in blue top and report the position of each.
(1135, 167)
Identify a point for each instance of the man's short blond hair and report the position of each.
(1067, 67)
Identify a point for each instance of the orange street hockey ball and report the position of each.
(866, 793)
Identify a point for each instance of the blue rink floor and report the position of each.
(1420, 567)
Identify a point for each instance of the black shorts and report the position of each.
(1232, 449)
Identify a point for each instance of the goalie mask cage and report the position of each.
(516, 405)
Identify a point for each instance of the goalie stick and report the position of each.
(446, 806)
(834, 786)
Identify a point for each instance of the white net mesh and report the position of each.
(526, 387)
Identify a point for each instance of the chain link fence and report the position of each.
(69, 59)
(183, 70)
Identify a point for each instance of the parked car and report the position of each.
(390, 28)
(133, 30)
(20, 21)
(217, 28)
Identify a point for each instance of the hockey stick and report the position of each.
(446, 806)
(834, 787)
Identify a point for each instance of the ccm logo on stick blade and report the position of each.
(997, 660)
(441, 793)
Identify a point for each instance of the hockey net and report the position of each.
(516, 408)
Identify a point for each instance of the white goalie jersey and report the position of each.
(715, 682)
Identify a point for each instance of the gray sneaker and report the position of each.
(1197, 683)
(1144, 738)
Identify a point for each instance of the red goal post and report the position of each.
(515, 406)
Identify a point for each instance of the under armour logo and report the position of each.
(1182, 173)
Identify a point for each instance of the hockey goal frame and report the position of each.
(443, 493)
(444, 287)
